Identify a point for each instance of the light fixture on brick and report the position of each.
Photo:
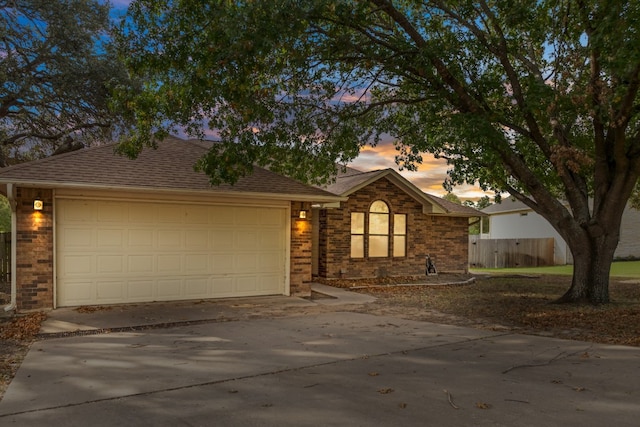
(303, 214)
(38, 204)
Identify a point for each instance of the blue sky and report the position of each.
(429, 176)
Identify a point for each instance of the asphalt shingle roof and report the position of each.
(169, 167)
(505, 206)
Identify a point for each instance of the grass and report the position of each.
(629, 269)
(526, 305)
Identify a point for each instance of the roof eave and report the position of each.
(328, 198)
(458, 215)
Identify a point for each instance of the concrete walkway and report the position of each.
(329, 369)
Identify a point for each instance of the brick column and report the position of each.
(34, 250)
(300, 272)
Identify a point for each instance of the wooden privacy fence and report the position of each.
(5, 257)
(509, 253)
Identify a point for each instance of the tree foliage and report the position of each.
(538, 99)
(452, 198)
(56, 72)
(478, 225)
(5, 214)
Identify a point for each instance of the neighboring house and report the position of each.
(91, 227)
(512, 219)
(387, 227)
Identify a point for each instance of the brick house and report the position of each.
(91, 227)
(387, 227)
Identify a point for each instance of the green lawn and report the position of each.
(618, 269)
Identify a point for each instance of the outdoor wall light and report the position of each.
(38, 204)
(303, 214)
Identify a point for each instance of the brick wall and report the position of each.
(300, 270)
(34, 250)
(445, 239)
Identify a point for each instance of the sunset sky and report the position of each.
(429, 176)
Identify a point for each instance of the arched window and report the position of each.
(376, 229)
(379, 229)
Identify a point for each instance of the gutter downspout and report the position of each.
(14, 222)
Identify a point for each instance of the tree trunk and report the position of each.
(591, 267)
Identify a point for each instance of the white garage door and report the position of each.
(119, 252)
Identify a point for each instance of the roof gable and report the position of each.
(170, 167)
(350, 180)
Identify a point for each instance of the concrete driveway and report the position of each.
(203, 368)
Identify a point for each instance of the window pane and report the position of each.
(379, 206)
(378, 223)
(357, 246)
(357, 223)
(378, 246)
(399, 246)
(400, 224)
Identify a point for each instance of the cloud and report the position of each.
(429, 177)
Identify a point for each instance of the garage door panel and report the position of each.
(141, 213)
(110, 264)
(222, 286)
(77, 238)
(271, 239)
(169, 263)
(247, 216)
(109, 238)
(197, 239)
(247, 262)
(271, 218)
(222, 263)
(169, 239)
(171, 214)
(247, 284)
(140, 264)
(197, 263)
(246, 239)
(169, 289)
(109, 291)
(269, 262)
(268, 282)
(222, 240)
(115, 252)
(111, 212)
(71, 265)
(221, 215)
(78, 292)
(79, 211)
(140, 290)
(140, 238)
(197, 215)
(197, 287)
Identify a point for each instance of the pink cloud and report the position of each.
(429, 177)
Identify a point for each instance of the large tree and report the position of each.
(56, 76)
(535, 98)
